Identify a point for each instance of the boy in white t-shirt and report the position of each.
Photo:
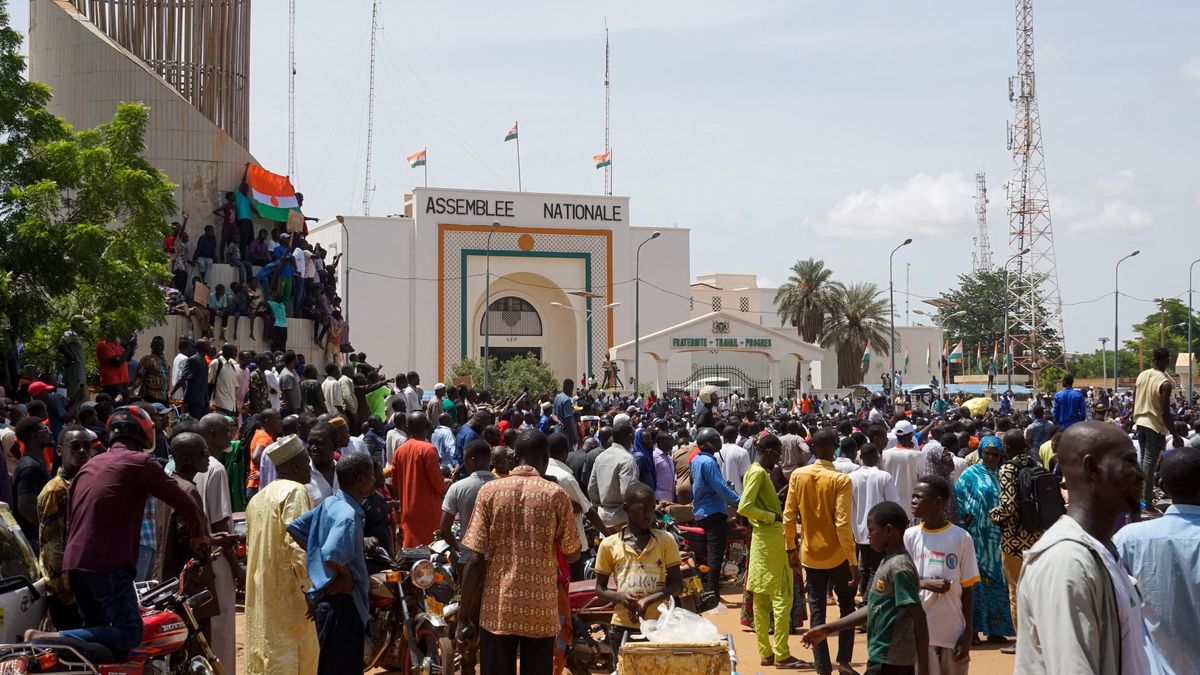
(944, 555)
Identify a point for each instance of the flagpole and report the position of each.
(426, 165)
(518, 139)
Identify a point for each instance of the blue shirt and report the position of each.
(334, 532)
(710, 493)
(465, 435)
(241, 203)
(443, 440)
(1069, 408)
(1164, 556)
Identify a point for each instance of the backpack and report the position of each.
(1039, 500)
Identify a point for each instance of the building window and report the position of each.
(744, 304)
(716, 303)
(511, 316)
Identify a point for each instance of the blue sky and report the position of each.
(775, 130)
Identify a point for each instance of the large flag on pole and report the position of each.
(905, 371)
(979, 356)
(416, 159)
(928, 357)
(996, 353)
(273, 194)
(603, 159)
(956, 355)
(866, 358)
(512, 133)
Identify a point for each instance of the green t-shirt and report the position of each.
(889, 633)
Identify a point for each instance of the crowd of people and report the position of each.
(941, 531)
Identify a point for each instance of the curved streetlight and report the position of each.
(1007, 345)
(637, 313)
(487, 306)
(585, 315)
(1116, 309)
(1191, 374)
(892, 319)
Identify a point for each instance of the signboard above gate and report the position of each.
(720, 343)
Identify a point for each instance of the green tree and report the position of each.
(511, 376)
(975, 313)
(857, 317)
(82, 217)
(805, 299)
(1049, 378)
(1097, 365)
(1169, 326)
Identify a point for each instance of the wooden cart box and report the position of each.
(651, 658)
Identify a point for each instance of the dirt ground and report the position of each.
(985, 660)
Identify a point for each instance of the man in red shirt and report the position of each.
(108, 500)
(113, 359)
(418, 480)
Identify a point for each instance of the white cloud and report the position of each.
(1191, 71)
(1107, 203)
(923, 204)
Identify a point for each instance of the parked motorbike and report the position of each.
(172, 643)
(401, 633)
(690, 537)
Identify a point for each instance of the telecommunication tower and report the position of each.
(367, 188)
(981, 254)
(1033, 281)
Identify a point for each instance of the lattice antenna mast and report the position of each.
(607, 103)
(981, 254)
(367, 187)
(292, 89)
(1033, 280)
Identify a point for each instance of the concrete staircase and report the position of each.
(299, 339)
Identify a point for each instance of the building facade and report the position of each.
(562, 279)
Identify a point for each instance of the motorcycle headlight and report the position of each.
(422, 574)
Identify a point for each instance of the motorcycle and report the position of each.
(401, 633)
(172, 643)
(690, 537)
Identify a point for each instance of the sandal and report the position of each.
(997, 640)
(793, 663)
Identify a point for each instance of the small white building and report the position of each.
(562, 268)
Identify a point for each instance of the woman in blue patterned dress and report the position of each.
(978, 492)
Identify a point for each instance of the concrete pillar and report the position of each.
(660, 374)
(773, 375)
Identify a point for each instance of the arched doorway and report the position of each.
(515, 328)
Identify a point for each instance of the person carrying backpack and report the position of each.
(1027, 508)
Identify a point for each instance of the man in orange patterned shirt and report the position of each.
(520, 523)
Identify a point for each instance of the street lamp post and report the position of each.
(637, 313)
(585, 316)
(487, 306)
(1191, 368)
(1104, 360)
(1116, 308)
(892, 318)
(1007, 346)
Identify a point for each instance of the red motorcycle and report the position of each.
(172, 643)
(690, 537)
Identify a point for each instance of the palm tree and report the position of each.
(857, 317)
(805, 299)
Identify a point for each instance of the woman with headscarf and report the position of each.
(939, 461)
(977, 493)
(643, 456)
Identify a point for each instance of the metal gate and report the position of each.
(727, 378)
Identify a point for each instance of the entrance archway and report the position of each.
(523, 320)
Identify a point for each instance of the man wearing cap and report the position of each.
(59, 412)
(905, 462)
(544, 421)
(279, 638)
(434, 408)
(710, 397)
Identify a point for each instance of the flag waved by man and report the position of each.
(272, 193)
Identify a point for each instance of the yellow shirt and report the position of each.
(819, 501)
(1147, 407)
(642, 573)
(1046, 453)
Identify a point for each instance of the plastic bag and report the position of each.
(678, 625)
